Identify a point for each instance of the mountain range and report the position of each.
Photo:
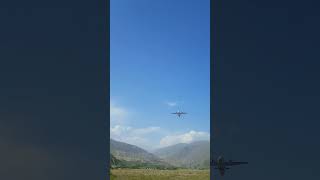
(195, 155)
(131, 156)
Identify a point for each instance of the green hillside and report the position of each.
(124, 155)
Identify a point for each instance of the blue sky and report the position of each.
(160, 62)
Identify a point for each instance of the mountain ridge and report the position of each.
(131, 156)
(194, 155)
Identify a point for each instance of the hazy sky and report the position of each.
(160, 63)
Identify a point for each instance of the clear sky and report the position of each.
(160, 63)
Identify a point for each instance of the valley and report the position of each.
(180, 161)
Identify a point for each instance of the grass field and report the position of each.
(153, 174)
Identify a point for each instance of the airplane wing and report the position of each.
(231, 163)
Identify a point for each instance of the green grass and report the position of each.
(154, 174)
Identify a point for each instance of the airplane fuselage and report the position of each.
(178, 113)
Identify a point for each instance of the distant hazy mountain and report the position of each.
(193, 155)
(127, 155)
